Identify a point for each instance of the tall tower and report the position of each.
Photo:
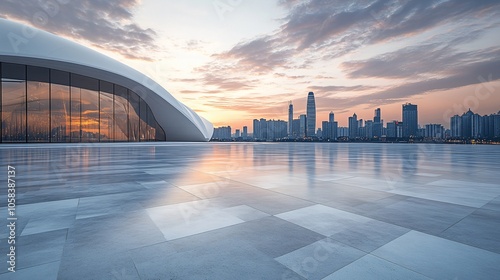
(410, 120)
(331, 117)
(290, 119)
(353, 126)
(376, 118)
(311, 115)
(377, 124)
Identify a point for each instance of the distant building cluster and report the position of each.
(465, 127)
(473, 126)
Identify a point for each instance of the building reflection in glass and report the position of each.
(46, 105)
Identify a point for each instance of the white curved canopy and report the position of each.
(26, 45)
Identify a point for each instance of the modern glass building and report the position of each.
(410, 120)
(54, 90)
(311, 115)
(47, 105)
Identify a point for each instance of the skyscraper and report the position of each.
(245, 133)
(311, 115)
(377, 124)
(303, 125)
(456, 126)
(353, 126)
(330, 128)
(376, 118)
(290, 119)
(410, 120)
(256, 129)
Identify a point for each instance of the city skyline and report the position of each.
(222, 58)
(468, 125)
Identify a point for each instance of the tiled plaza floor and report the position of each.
(253, 211)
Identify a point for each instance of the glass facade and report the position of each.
(45, 105)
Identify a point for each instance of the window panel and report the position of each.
(151, 129)
(13, 102)
(38, 104)
(90, 115)
(75, 107)
(160, 133)
(60, 106)
(121, 113)
(134, 112)
(106, 112)
(143, 120)
(84, 109)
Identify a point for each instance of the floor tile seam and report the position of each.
(135, 267)
(453, 241)
(399, 265)
(435, 200)
(32, 266)
(455, 223)
(199, 233)
(275, 192)
(364, 253)
(110, 214)
(495, 198)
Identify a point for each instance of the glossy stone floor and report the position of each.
(254, 211)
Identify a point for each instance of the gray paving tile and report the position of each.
(479, 229)
(439, 258)
(46, 271)
(363, 197)
(370, 235)
(216, 260)
(35, 249)
(420, 214)
(319, 259)
(371, 267)
(270, 235)
(323, 219)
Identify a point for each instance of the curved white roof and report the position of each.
(27, 45)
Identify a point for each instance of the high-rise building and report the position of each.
(473, 126)
(311, 115)
(244, 135)
(368, 129)
(303, 126)
(325, 128)
(376, 118)
(394, 129)
(353, 126)
(377, 124)
(456, 126)
(237, 133)
(256, 129)
(276, 129)
(329, 128)
(263, 129)
(319, 133)
(296, 128)
(434, 131)
(222, 133)
(290, 119)
(410, 120)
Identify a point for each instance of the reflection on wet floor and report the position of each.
(219, 210)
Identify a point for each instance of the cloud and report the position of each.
(471, 74)
(337, 89)
(317, 31)
(105, 24)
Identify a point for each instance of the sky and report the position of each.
(236, 60)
